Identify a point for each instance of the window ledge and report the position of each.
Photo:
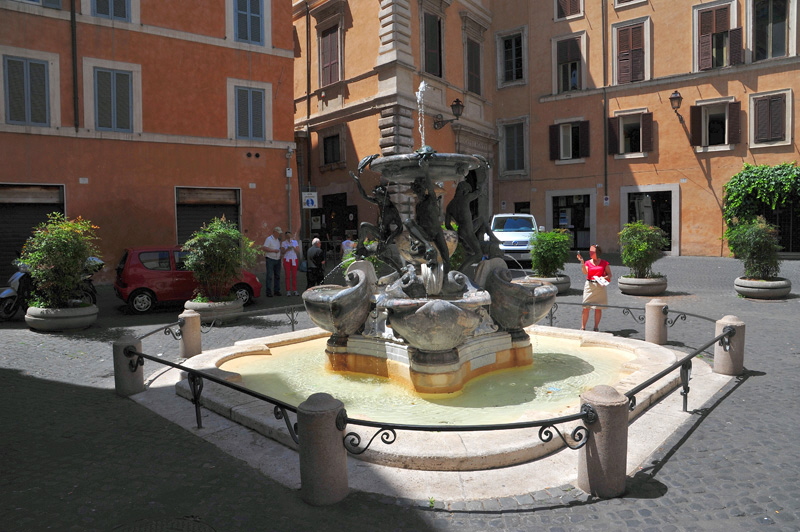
(622, 5)
(709, 149)
(570, 161)
(771, 144)
(633, 155)
(332, 166)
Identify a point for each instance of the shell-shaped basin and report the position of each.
(518, 303)
(341, 310)
(437, 324)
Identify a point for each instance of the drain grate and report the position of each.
(170, 524)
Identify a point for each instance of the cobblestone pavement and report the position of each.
(74, 456)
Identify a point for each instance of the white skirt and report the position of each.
(594, 293)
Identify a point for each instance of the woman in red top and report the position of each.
(594, 290)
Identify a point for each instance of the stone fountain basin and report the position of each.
(405, 168)
(440, 451)
(341, 310)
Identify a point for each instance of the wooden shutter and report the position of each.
(242, 20)
(696, 124)
(433, 50)
(256, 22)
(706, 31)
(735, 42)
(762, 122)
(15, 86)
(646, 136)
(555, 144)
(583, 139)
(563, 8)
(37, 83)
(637, 52)
(624, 55)
(120, 9)
(103, 99)
(734, 122)
(242, 113)
(329, 44)
(777, 117)
(123, 101)
(257, 113)
(613, 135)
(53, 4)
(103, 7)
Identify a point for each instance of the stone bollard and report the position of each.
(191, 342)
(730, 362)
(655, 322)
(127, 382)
(323, 457)
(603, 460)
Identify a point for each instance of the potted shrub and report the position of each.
(550, 251)
(216, 254)
(641, 245)
(56, 255)
(755, 243)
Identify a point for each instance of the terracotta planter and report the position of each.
(562, 282)
(642, 286)
(221, 312)
(61, 319)
(773, 289)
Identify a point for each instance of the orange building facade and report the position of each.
(593, 114)
(146, 119)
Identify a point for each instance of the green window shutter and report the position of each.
(38, 92)
(15, 90)
(102, 8)
(257, 113)
(53, 4)
(123, 101)
(103, 99)
(242, 113)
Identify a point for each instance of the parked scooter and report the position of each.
(20, 287)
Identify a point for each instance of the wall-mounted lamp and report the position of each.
(675, 100)
(457, 107)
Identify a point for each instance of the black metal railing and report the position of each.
(196, 378)
(685, 364)
(387, 432)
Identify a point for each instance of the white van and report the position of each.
(515, 231)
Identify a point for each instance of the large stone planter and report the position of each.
(61, 319)
(757, 289)
(562, 282)
(219, 312)
(642, 286)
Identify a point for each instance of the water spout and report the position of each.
(421, 111)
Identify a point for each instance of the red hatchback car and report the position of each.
(150, 275)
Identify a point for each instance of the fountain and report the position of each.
(445, 326)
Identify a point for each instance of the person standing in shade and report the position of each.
(348, 245)
(316, 263)
(291, 254)
(272, 249)
(598, 275)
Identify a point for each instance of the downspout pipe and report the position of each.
(74, 31)
(605, 97)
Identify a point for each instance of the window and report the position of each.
(249, 21)
(113, 91)
(473, 66)
(26, 91)
(715, 123)
(514, 146)
(719, 45)
(332, 147)
(329, 56)
(249, 113)
(569, 141)
(769, 115)
(568, 8)
(433, 44)
(512, 60)
(630, 133)
(330, 150)
(155, 260)
(569, 71)
(769, 29)
(630, 53)
(113, 9)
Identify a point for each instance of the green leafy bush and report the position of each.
(641, 245)
(56, 254)
(216, 253)
(756, 245)
(550, 251)
(757, 187)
